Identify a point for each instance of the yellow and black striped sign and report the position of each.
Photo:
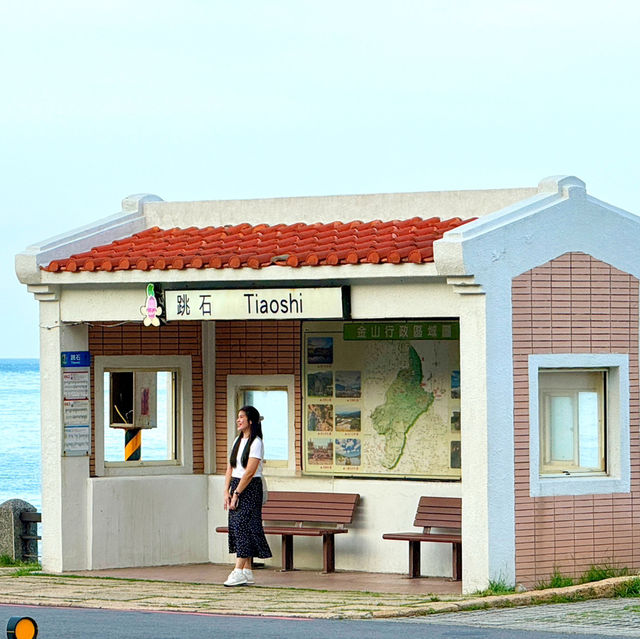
(132, 444)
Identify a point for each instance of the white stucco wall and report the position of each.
(146, 521)
(103, 304)
(64, 523)
(377, 206)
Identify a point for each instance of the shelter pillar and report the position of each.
(64, 478)
(486, 378)
(474, 440)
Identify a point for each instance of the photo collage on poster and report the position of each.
(455, 420)
(333, 410)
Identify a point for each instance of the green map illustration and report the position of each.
(405, 401)
(394, 402)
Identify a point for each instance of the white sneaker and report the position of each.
(236, 578)
(248, 573)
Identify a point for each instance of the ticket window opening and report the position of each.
(132, 399)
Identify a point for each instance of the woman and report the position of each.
(243, 497)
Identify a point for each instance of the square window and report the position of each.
(140, 411)
(579, 424)
(273, 396)
(145, 402)
(273, 406)
(572, 420)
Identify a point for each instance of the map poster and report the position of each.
(382, 399)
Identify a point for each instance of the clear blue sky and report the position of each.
(209, 99)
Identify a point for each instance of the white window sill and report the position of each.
(588, 474)
(139, 468)
(551, 486)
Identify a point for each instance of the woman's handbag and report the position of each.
(265, 490)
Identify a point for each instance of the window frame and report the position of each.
(181, 365)
(236, 383)
(616, 476)
(174, 443)
(573, 390)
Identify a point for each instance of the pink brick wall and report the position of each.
(177, 338)
(573, 304)
(255, 348)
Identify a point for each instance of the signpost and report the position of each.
(76, 402)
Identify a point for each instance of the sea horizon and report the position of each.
(20, 475)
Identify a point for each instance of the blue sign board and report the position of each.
(75, 359)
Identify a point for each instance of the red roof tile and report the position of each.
(261, 246)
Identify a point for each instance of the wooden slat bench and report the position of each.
(299, 513)
(434, 512)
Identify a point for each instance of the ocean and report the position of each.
(20, 431)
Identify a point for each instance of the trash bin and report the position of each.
(19, 530)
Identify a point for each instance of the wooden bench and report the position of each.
(434, 512)
(299, 513)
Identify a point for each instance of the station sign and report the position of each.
(75, 359)
(257, 304)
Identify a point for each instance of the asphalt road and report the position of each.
(72, 623)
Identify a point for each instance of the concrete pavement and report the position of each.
(130, 594)
(618, 617)
(120, 593)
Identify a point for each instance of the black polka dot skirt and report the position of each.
(246, 535)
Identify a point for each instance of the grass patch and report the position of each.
(605, 571)
(496, 588)
(27, 569)
(557, 580)
(629, 588)
(472, 607)
(593, 573)
(24, 567)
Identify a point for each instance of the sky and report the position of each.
(211, 99)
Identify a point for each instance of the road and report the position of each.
(85, 623)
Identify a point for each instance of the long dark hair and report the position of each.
(256, 431)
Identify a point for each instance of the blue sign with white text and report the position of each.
(75, 359)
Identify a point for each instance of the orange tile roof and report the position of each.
(262, 245)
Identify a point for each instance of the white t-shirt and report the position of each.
(256, 450)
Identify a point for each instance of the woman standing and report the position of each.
(243, 497)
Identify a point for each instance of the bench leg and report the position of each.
(287, 552)
(328, 553)
(457, 561)
(414, 559)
